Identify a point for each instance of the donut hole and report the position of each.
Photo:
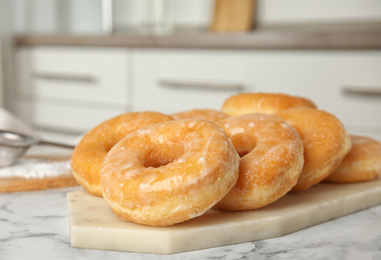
(162, 156)
(243, 152)
(109, 144)
(243, 147)
(156, 161)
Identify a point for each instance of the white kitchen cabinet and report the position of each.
(321, 76)
(72, 89)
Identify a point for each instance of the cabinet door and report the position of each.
(177, 80)
(71, 88)
(93, 75)
(67, 119)
(345, 83)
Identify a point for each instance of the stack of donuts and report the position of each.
(159, 170)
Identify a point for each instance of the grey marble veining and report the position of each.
(34, 225)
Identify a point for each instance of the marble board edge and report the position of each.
(290, 214)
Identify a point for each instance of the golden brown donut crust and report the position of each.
(326, 143)
(207, 114)
(271, 160)
(90, 152)
(363, 163)
(267, 103)
(170, 172)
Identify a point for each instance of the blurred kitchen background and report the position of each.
(68, 65)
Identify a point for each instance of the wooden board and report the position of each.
(93, 225)
(17, 184)
(233, 15)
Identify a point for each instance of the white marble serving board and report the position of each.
(93, 225)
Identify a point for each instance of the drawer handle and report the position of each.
(357, 90)
(194, 84)
(64, 77)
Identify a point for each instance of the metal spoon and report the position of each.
(13, 145)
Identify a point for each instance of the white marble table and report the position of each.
(34, 225)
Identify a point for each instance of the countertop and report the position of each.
(34, 225)
(304, 36)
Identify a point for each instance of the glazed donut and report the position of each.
(363, 163)
(267, 103)
(271, 160)
(325, 140)
(89, 153)
(207, 114)
(170, 172)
